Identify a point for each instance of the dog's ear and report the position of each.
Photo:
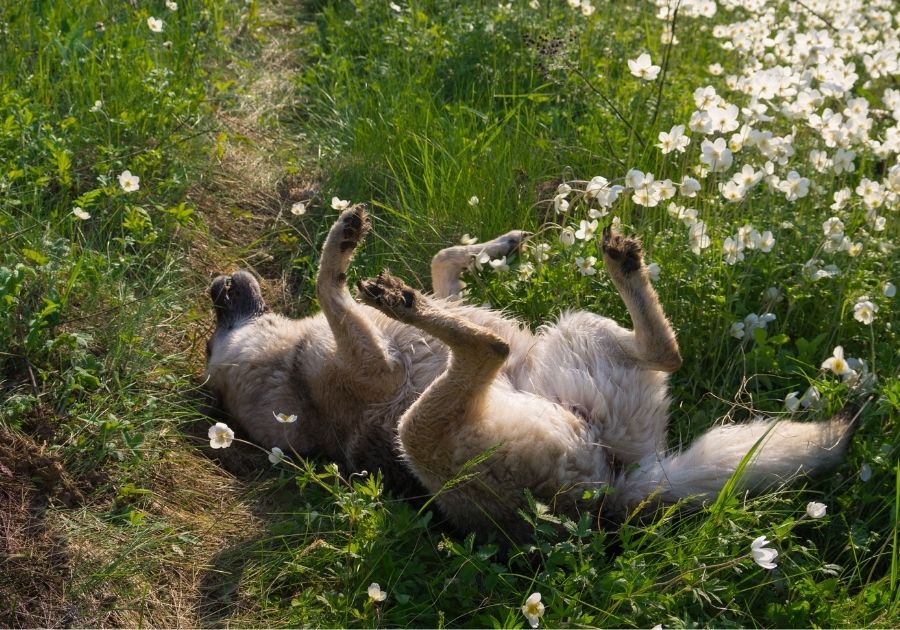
(218, 291)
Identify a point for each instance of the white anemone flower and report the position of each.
(586, 230)
(276, 455)
(586, 265)
(339, 204)
(283, 418)
(864, 310)
(762, 555)
(80, 214)
(533, 609)
(836, 362)
(375, 592)
(815, 509)
(155, 24)
(220, 435)
(129, 182)
(643, 68)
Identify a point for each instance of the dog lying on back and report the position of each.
(421, 386)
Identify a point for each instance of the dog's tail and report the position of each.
(750, 456)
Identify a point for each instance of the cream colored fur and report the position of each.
(420, 386)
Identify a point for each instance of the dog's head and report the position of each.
(237, 299)
(245, 364)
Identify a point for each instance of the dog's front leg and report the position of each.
(450, 262)
(361, 347)
(653, 341)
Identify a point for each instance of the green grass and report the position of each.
(102, 321)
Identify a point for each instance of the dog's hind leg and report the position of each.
(469, 411)
(449, 263)
(477, 354)
(361, 348)
(652, 344)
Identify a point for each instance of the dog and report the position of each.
(471, 406)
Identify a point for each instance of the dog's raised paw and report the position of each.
(356, 224)
(388, 293)
(626, 251)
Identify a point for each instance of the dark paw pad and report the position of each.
(624, 250)
(356, 225)
(387, 291)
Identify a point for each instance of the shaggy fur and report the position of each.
(420, 386)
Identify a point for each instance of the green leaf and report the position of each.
(35, 256)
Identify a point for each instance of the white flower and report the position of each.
(674, 140)
(698, 237)
(526, 270)
(815, 510)
(567, 237)
(586, 265)
(715, 69)
(298, 208)
(643, 68)
(732, 251)
(836, 362)
(811, 398)
(129, 182)
(792, 402)
(834, 229)
(155, 24)
(396, 8)
(716, 155)
(794, 187)
(80, 214)
(689, 186)
(864, 310)
(375, 592)
(540, 251)
(586, 230)
(276, 456)
(889, 290)
(560, 204)
(473, 201)
(98, 105)
(766, 242)
(171, 6)
(284, 418)
(465, 239)
(634, 178)
(533, 609)
(594, 186)
(220, 436)
(653, 271)
(865, 472)
(762, 555)
(339, 204)
(737, 330)
(500, 265)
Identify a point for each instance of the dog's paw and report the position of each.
(505, 244)
(389, 294)
(624, 251)
(355, 224)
